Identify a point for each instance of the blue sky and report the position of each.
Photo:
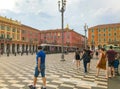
(44, 14)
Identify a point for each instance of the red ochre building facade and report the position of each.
(71, 38)
(101, 35)
(17, 37)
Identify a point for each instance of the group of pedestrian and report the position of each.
(86, 56)
(107, 60)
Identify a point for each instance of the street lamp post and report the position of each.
(85, 28)
(62, 7)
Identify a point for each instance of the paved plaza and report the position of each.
(16, 72)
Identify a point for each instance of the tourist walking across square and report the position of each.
(90, 55)
(85, 58)
(40, 68)
(77, 58)
(101, 64)
(111, 54)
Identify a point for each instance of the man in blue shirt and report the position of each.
(40, 68)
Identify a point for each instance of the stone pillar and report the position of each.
(20, 47)
(10, 48)
(5, 48)
(15, 48)
(25, 47)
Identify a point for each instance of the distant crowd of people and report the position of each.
(107, 60)
(17, 53)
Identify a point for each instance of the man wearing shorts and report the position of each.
(40, 68)
(111, 57)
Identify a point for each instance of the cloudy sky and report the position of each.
(44, 14)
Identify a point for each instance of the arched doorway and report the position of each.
(30, 48)
(18, 48)
(8, 48)
(26, 48)
(2, 48)
(13, 48)
(23, 47)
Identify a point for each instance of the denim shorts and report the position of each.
(42, 71)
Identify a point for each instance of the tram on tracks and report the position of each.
(50, 48)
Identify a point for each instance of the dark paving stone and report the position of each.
(114, 83)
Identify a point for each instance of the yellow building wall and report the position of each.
(102, 37)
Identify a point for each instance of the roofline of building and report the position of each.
(54, 30)
(30, 27)
(104, 25)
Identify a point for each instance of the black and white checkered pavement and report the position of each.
(16, 72)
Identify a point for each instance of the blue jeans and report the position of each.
(85, 66)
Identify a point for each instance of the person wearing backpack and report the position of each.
(89, 55)
(85, 59)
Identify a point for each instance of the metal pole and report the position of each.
(85, 28)
(61, 7)
(62, 22)
(85, 38)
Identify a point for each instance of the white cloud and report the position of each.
(7, 5)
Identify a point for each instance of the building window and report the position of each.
(23, 32)
(8, 36)
(104, 29)
(109, 34)
(23, 38)
(104, 34)
(18, 31)
(13, 36)
(8, 28)
(2, 27)
(115, 34)
(14, 30)
(109, 29)
(2, 35)
(99, 29)
(92, 30)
